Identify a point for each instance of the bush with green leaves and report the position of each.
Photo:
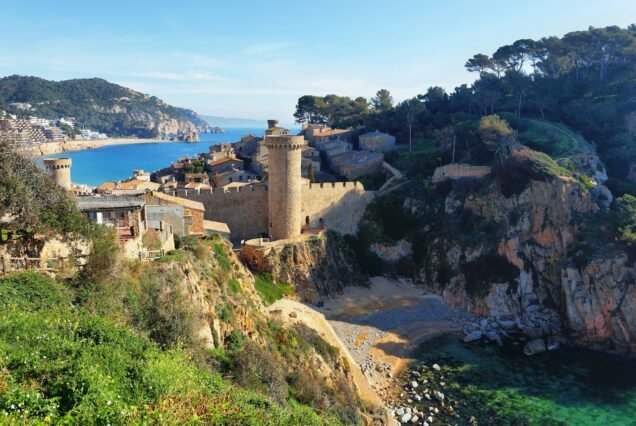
(60, 364)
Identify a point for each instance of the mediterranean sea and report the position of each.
(502, 386)
(116, 162)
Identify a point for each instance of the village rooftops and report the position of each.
(127, 185)
(321, 133)
(197, 175)
(169, 199)
(212, 226)
(109, 203)
(223, 160)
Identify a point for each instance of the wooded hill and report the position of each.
(98, 105)
(585, 79)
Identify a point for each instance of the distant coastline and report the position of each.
(61, 147)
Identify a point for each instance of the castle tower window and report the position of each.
(307, 220)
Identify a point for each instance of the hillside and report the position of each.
(99, 105)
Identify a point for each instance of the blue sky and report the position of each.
(254, 59)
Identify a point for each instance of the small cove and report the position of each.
(500, 385)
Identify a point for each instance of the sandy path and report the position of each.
(317, 321)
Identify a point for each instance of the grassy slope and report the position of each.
(60, 363)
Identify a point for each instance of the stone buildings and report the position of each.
(286, 204)
(376, 141)
(185, 216)
(355, 164)
(133, 186)
(127, 216)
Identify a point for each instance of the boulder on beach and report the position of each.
(473, 336)
(534, 346)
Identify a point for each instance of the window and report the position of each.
(307, 220)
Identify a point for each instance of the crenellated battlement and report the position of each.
(336, 185)
(189, 193)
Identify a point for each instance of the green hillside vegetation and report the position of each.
(33, 202)
(63, 364)
(585, 81)
(94, 103)
(120, 341)
(119, 344)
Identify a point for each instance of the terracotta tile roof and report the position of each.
(210, 225)
(194, 205)
(236, 185)
(223, 160)
(138, 184)
(106, 186)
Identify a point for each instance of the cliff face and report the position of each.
(515, 256)
(317, 267)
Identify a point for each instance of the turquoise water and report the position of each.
(565, 387)
(94, 166)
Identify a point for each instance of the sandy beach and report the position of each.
(376, 328)
(58, 147)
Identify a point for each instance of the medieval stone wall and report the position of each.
(338, 206)
(244, 209)
(459, 171)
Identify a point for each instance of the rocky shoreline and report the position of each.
(422, 399)
(542, 330)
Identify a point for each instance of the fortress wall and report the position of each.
(459, 171)
(243, 209)
(340, 205)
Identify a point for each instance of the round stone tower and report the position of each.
(60, 170)
(285, 185)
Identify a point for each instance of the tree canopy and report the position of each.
(585, 79)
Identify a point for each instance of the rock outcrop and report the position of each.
(317, 266)
(519, 257)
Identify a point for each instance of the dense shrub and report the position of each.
(67, 366)
(270, 290)
(30, 291)
(256, 367)
(523, 165)
(486, 270)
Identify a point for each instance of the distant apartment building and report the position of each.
(86, 134)
(42, 122)
(21, 105)
(69, 121)
(54, 134)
